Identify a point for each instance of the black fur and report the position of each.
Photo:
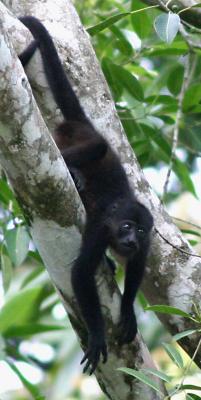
(114, 216)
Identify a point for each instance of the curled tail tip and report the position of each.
(32, 23)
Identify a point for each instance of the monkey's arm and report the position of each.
(83, 282)
(134, 273)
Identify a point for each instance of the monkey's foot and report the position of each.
(96, 347)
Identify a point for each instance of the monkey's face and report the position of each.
(127, 237)
(129, 228)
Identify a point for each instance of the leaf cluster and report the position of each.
(143, 54)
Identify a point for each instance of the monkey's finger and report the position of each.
(85, 357)
(94, 362)
(85, 369)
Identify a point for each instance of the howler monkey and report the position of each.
(114, 216)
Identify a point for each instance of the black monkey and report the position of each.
(114, 216)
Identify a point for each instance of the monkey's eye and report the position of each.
(140, 229)
(126, 227)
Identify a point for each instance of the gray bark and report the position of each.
(47, 194)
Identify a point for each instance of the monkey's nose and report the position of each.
(131, 243)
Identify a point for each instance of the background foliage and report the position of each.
(153, 70)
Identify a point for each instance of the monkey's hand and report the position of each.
(96, 347)
(127, 328)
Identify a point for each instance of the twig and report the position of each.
(190, 150)
(192, 27)
(191, 44)
(164, 6)
(187, 8)
(187, 222)
(175, 247)
(183, 144)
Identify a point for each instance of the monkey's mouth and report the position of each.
(127, 250)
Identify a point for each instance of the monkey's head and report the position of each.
(129, 227)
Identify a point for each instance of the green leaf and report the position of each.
(123, 44)
(181, 335)
(130, 125)
(18, 309)
(140, 147)
(179, 167)
(173, 49)
(7, 271)
(141, 23)
(142, 299)
(93, 30)
(128, 81)
(6, 194)
(196, 109)
(159, 374)
(191, 232)
(157, 137)
(33, 390)
(193, 242)
(144, 159)
(7, 197)
(141, 377)
(167, 119)
(192, 97)
(192, 396)
(167, 26)
(174, 85)
(115, 85)
(190, 387)
(173, 354)
(31, 329)
(142, 71)
(182, 172)
(168, 310)
(162, 99)
(17, 243)
(34, 274)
